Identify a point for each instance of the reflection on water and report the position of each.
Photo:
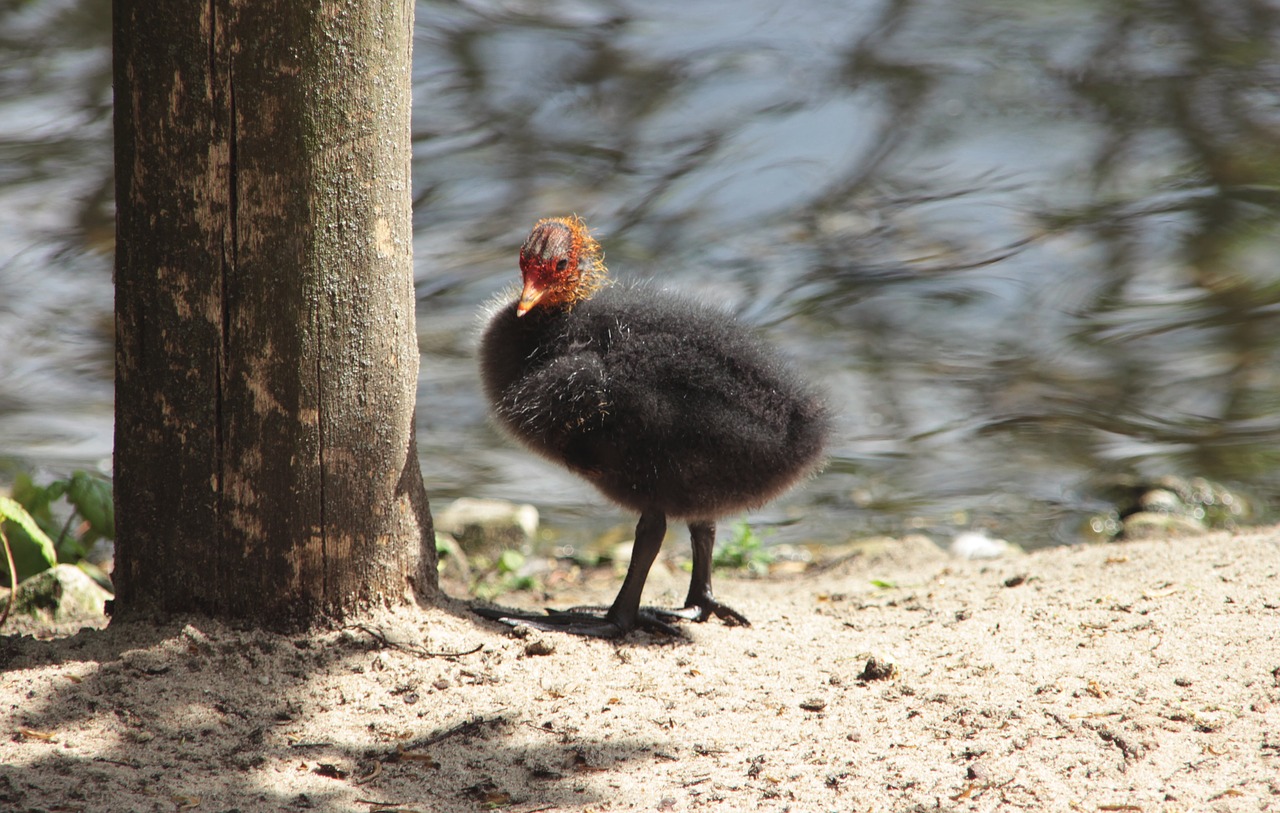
(1031, 251)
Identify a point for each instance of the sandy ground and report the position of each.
(1142, 676)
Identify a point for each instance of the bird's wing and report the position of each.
(553, 403)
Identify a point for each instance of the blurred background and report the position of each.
(1029, 248)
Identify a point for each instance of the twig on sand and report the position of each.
(411, 649)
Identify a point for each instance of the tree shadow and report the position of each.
(22, 650)
(144, 716)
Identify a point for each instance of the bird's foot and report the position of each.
(592, 622)
(704, 608)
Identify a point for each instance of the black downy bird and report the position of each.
(667, 406)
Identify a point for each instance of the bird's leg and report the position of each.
(625, 614)
(625, 611)
(701, 604)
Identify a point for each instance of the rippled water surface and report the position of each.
(1030, 249)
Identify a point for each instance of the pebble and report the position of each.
(481, 525)
(977, 545)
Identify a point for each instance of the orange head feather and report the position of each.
(561, 264)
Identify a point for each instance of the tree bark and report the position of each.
(266, 353)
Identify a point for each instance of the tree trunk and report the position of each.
(266, 355)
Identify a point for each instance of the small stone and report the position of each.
(330, 771)
(878, 668)
(1158, 525)
(1161, 500)
(145, 660)
(197, 640)
(977, 545)
(488, 526)
(813, 704)
(539, 646)
(61, 593)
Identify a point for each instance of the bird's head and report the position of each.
(561, 264)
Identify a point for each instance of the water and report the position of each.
(1031, 250)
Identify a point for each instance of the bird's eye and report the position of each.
(562, 264)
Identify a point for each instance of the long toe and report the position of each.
(653, 619)
(701, 611)
(574, 622)
(725, 613)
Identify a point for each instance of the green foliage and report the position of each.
(510, 562)
(744, 550)
(31, 547)
(504, 576)
(38, 539)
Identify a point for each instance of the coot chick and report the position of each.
(667, 406)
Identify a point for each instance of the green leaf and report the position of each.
(55, 490)
(884, 584)
(32, 497)
(92, 499)
(32, 548)
(745, 550)
(71, 548)
(510, 561)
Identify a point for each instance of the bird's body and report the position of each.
(668, 407)
(658, 402)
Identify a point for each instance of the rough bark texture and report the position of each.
(266, 360)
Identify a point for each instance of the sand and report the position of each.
(1139, 676)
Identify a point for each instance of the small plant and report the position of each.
(32, 538)
(504, 577)
(42, 552)
(744, 550)
(69, 541)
